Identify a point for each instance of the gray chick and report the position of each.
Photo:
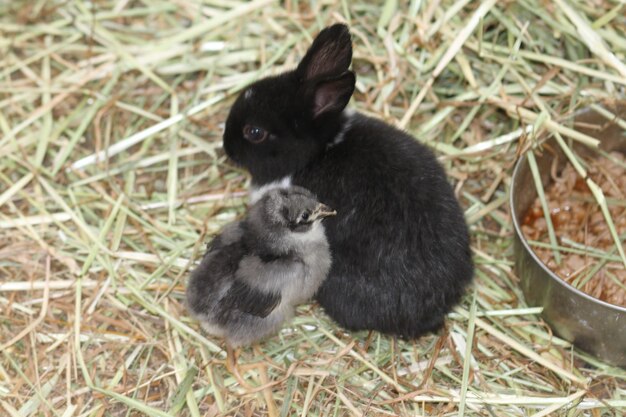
(258, 269)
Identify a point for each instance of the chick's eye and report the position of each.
(254, 134)
(304, 216)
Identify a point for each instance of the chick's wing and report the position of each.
(250, 300)
(229, 235)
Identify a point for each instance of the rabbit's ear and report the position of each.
(332, 95)
(329, 55)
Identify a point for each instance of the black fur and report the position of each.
(400, 245)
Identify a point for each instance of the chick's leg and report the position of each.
(232, 367)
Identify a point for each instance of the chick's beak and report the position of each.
(321, 211)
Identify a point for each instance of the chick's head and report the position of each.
(295, 209)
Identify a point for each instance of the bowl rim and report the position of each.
(520, 234)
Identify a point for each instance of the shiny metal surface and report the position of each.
(592, 325)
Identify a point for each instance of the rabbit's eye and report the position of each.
(254, 134)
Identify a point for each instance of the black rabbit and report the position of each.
(400, 244)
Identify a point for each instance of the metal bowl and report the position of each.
(594, 326)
